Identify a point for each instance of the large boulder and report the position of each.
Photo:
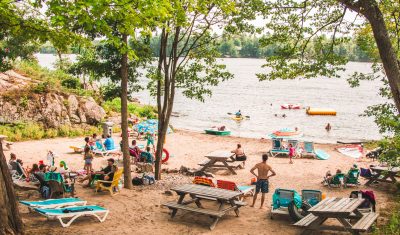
(92, 111)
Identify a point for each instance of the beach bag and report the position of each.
(45, 192)
(137, 181)
(366, 173)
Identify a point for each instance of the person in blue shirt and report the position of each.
(238, 114)
(109, 143)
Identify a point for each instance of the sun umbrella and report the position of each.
(150, 125)
(286, 133)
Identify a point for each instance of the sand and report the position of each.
(139, 211)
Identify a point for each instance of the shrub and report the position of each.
(114, 105)
(71, 83)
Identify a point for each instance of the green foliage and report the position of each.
(71, 83)
(33, 131)
(393, 224)
(133, 108)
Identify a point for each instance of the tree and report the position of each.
(187, 56)
(115, 21)
(10, 219)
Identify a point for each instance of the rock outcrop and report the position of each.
(52, 109)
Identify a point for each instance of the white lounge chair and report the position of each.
(54, 203)
(100, 150)
(72, 213)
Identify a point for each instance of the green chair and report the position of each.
(278, 148)
(336, 181)
(352, 178)
(54, 178)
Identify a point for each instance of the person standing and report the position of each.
(292, 153)
(263, 170)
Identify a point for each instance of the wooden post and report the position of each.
(10, 219)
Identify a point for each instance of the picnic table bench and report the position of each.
(219, 159)
(342, 209)
(389, 174)
(200, 192)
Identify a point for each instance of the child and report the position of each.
(88, 157)
(150, 139)
(291, 153)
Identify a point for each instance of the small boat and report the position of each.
(354, 151)
(290, 106)
(217, 132)
(321, 155)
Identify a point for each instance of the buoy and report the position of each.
(318, 111)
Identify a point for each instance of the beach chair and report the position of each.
(289, 202)
(57, 184)
(203, 181)
(308, 149)
(110, 185)
(54, 203)
(312, 197)
(100, 150)
(77, 149)
(19, 173)
(337, 181)
(74, 212)
(278, 148)
(229, 185)
(351, 178)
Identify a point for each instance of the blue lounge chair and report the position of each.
(278, 148)
(308, 149)
(72, 213)
(100, 150)
(54, 203)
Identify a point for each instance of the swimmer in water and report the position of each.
(328, 127)
(284, 115)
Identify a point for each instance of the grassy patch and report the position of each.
(147, 111)
(33, 131)
(393, 224)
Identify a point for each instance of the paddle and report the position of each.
(234, 114)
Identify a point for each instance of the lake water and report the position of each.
(262, 100)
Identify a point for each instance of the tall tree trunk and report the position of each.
(124, 116)
(371, 11)
(10, 219)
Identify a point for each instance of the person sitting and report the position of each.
(13, 163)
(101, 175)
(92, 140)
(329, 177)
(33, 170)
(221, 128)
(134, 151)
(109, 143)
(239, 154)
(238, 114)
(147, 157)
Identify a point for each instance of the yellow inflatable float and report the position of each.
(317, 111)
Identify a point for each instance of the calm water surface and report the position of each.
(262, 100)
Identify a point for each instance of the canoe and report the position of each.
(217, 132)
(353, 151)
(321, 155)
(316, 111)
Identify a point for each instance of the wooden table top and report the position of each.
(220, 154)
(385, 168)
(336, 206)
(206, 191)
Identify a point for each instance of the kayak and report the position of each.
(290, 106)
(217, 132)
(321, 155)
(353, 151)
(237, 118)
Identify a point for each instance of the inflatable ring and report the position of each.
(165, 159)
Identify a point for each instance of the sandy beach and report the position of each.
(139, 211)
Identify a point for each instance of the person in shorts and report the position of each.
(262, 175)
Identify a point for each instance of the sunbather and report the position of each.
(109, 143)
(239, 154)
(329, 176)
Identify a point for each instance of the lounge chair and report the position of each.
(245, 189)
(20, 172)
(278, 148)
(288, 202)
(57, 184)
(110, 185)
(100, 150)
(54, 203)
(351, 178)
(77, 149)
(308, 149)
(72, 213)
(336, 181)
(312, 197)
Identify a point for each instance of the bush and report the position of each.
(71, 83)
(393, 224)
(147, 111)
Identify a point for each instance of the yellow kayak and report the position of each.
(237, 118)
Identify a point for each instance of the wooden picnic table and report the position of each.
(389, 174)
(200, 192)
(345, 210)
(220, 156)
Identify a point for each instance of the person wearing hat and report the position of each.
(106, 173)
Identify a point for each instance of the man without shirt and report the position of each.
(262, 178)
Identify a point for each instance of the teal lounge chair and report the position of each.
(54, 203)
(74, 212)
(278, 148)
(312, 197)
(100, 150)
(308, 149)
(351, 178)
